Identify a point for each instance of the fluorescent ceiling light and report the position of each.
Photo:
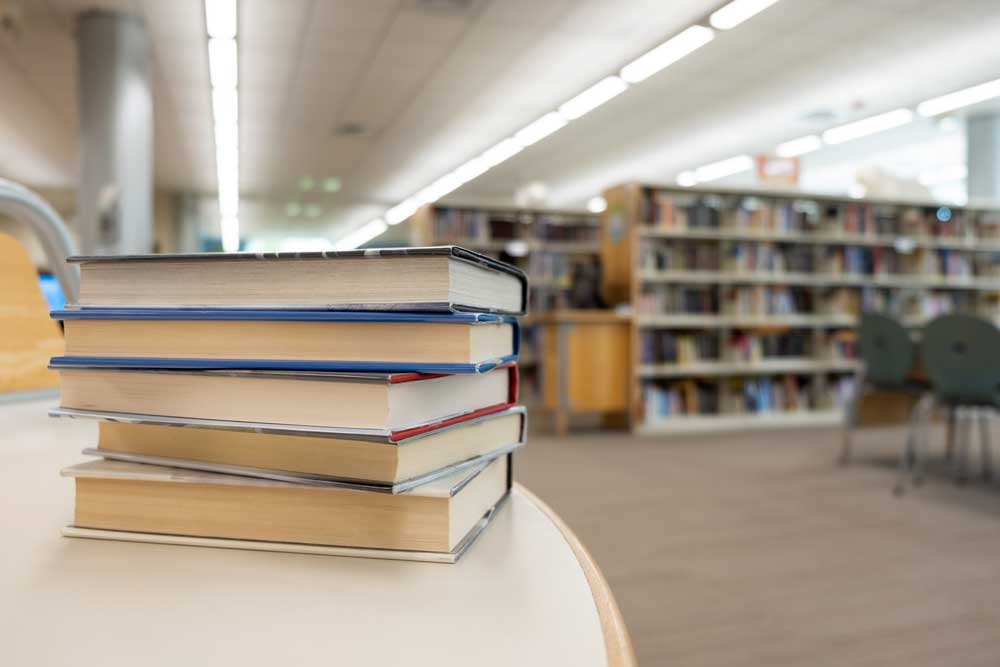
(505, 150)
(686, 179)
(871, 125)
(960, 98)
(222, 66)
(220, 18)
(540, 129)
(597, 204)
(471, 169)
(593, 97)
(401, 211)
(225, 108)
(736, 12)
(667, 53)
(229, 200)
(230, 234)
(947, 174)
(723, 168)
(361, 235)
(439, 188)
(799, 146)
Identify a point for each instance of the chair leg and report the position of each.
(926, 411)
(949, 442)
(911, 460)
(961, 455)
(984, 443)
(850, 421)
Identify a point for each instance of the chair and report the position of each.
(961, 354)
(888, 356)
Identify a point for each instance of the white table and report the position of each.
(526, 593)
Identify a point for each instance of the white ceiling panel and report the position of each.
(432, 88)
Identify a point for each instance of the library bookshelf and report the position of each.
(745, 303)
(548, 245)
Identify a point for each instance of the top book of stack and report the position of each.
(433, 279)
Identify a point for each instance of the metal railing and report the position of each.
(28, 207)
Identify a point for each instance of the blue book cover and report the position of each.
(305, 365)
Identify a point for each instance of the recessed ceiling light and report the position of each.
(799, 146)
(331, 184)
(307, 183)
(866, 126)
(593, 97)
(541, 128)
(293, 209)
(220, 18)
(222, 67)
(597, 204)
(723, 168)
(960, 98)
(687, 179)
(361, 235)
(312, 210)
(667, 53)
(736, 12)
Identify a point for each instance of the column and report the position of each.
(115, 198)
(983, 156)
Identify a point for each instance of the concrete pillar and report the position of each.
(115, 199)
(983, 156)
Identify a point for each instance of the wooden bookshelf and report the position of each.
(745, 304)
(545, 244)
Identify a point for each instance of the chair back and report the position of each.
(961, 354)
(886, 349)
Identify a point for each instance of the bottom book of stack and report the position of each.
(425, 497)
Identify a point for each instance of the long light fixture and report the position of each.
(723, 168)
(667, 53)
(867, 126)
(736, 12)
(223, 69)
(361, 235)
(799, 146)
(960, 98)
(593, 97)
(541, 128)
(640, 69)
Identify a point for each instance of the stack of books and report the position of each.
(359, 403)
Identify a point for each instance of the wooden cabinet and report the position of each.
(586, 363)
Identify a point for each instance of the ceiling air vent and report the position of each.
(350, 129)
(455, 7)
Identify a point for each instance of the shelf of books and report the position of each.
(551, 247)
(745, 304)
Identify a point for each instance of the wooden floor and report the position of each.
(755, 549)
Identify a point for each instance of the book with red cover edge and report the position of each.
(391, 437)
(396, 436)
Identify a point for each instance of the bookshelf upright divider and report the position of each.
(545, 244)
(745, 304)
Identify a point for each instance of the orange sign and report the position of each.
(777, 171)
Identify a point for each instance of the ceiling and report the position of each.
(434, 82)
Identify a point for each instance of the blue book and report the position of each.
(286, 340)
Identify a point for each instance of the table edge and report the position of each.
(617, 643)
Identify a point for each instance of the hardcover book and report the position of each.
(387, 463)
(443, 278)
(288, 340)
(392, 405)
(116, 500)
